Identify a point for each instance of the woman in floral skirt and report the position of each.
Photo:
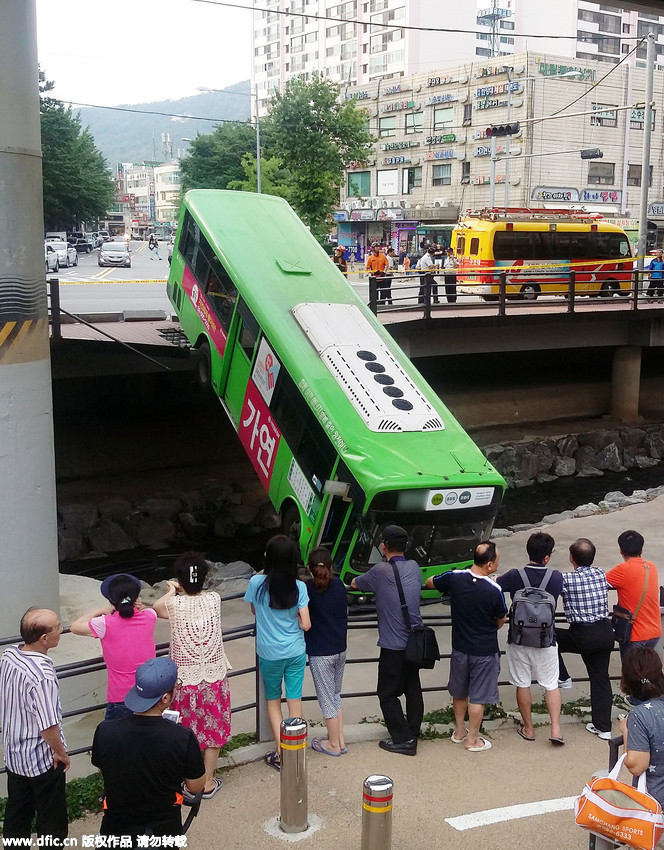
(202, 695)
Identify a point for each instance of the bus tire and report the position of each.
(489, 297)
(529, 291)
(204, 365)
(609, 288)
(291, 522)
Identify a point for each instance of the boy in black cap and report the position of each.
(395, 676)
(144, 759)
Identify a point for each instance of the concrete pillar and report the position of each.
(28, 532)
(625, 383)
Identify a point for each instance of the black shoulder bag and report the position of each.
(622, 619)
(422, 647)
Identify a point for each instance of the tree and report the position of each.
(316, 136)
(275, 179)
(215, 159)
(77, 182)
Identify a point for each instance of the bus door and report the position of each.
(241, 349)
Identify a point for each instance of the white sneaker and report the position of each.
(605, 736)
(565, 683)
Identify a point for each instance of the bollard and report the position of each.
(377, 813)
(294, 804)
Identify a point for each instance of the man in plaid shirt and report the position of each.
(585, 601)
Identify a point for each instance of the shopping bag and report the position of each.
(612, 809)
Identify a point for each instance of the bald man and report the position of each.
(34, 746)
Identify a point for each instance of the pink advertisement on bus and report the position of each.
(258, 433)
(205, 312)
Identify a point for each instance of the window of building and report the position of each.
(626, 28)
(442, 175)
(507, 25)
(443, 116)
(482, 51)
(387, 126)
(414, 122)
(388, 182)
(601, 173)
(506, 39)
(359, 184)
(634, 175)
(606, 115)
(411, 179)
(465, 172)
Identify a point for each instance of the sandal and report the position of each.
(208, 795)
(317, 744)
(273, 760)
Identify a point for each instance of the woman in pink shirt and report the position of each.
(126, 632)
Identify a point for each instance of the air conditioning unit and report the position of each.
(355, 205)
(376, 203)
(441, 202)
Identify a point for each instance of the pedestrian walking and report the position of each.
(585, 602)
(378, 265)
(155, 249)
(656, 269)
(125, 630)
(35, 751)
(202, 695)
(280, 603)
(339, 259)
(396, 677)
(326, 647)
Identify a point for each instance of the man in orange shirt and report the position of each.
(629, 579)
(378, 264)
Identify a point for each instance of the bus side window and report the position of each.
(189, 239)
(248, 331)
(474, 246)
(460, 245)
(309, 443)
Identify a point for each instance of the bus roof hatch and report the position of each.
(376, 385)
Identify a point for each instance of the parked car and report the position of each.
(104, 235)
(67, 254)
(80, 242)
(114, 254)
(51, 259)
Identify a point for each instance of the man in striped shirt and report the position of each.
(585, 601)
(34, 746)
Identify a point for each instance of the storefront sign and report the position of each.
(440, 81)
(398, 105)
(656, 208)
(485, 150)
(397, 89)
(389, 213)
(548, 69)
(490, 104)
(394, 160)
(499, 88)
(602, 196)
(398, 146)
(448, 154)
(442, 98)
(440, 140)
(355, 164)
(490, 71)
(357, 95)
(362, 215)
(483, 179)
(555, 193)
(340, 215)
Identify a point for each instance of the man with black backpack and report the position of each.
(531, 639)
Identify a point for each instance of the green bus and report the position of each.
(343, 432)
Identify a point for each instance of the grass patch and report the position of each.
(244, 739)
(446, 715)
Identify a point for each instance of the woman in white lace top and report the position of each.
(202, 695)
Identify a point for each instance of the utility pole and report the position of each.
(28, 530)
(645, 159)
(258, 148)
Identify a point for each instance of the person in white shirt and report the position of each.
(450, 264)
(425, 264)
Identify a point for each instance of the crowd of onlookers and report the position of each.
(150, 764)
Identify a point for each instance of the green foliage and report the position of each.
(316, 137)
(216, 159)
(275, 180)
(244, 739)
(446, 715)
(77, 184)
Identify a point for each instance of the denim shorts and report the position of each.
(288, 670)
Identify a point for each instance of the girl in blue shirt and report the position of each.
(279, 601)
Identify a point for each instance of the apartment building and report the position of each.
(432, 158)
(167, 188)
(355, 42)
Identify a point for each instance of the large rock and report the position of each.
(71, 545)
(567, 446)
(563, 466)
(191, 528)
(108, 536)
(155, 533)
(585, 459)
(609, 459)
(79, 518)
(268, 518)
(243, 514)
(117, 510)
(600, 439)
(224, 526)
(159, 510)
(654, 445)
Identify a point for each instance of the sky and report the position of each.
(137, 51)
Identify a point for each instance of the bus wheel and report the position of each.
(489, 298)
(529, 292)
(291, 523)
(204, 365)
(609, 288)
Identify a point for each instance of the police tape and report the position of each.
(105, 281)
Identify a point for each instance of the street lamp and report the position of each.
(258, 127)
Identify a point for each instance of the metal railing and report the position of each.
(508, 292)
(365, 621)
